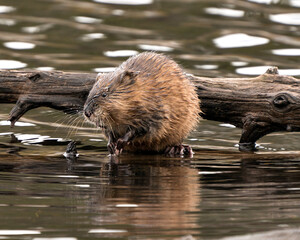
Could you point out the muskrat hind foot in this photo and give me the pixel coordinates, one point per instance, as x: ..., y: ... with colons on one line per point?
x: 179, y: 150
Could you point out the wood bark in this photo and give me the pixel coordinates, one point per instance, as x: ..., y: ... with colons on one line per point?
x: 260, y: 105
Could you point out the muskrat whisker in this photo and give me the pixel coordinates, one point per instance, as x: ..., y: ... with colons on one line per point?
x: 73, y: 125
x: 80, y: 119
x: 73, y: 111
x: 60, y: 121
x: 71, y: 120
x: 70, y: 127
x: 64, y: 121
x: 75, y: 122
x: 83, y: 121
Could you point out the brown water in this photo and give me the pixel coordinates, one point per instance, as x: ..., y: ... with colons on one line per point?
x: 218, y: 193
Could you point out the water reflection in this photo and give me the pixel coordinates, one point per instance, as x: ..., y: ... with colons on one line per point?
x: 206, y: 66
x: 92, y: 36
x: 286, y: 18
x: 148, y: 47
x: 226, y: 12
x: 11, y: 64
x: 104, y: 70
x: 257, y: 70
x: 88, y: 20
x: 7, y: 22
x: 150, y: 196
x: 145, y: 198
x: 37, y: 29
x: 45, y: 68
x: 265, y: 1
x: 254, y: 70
x: 18, y: 124
x: 294, y: 3
x: 120, y: 53
x: 238, y: 40
x: 18, y: 232
x: 125, y: 2
x: 203, y: 28
x: 270, y: 235
x: 6, y: 9
x: 19, y: 45
x: 101, y: 230
x: 287, y: 52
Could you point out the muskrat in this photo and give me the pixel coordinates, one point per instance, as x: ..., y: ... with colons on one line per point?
x: 146, y: 104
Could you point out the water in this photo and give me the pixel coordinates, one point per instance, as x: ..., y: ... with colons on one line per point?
x: 219, y: 193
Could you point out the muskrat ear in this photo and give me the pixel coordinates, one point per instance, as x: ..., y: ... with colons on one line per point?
x: 128, y: 77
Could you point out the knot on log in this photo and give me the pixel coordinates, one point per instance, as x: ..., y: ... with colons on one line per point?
x: 282, y: 102
x: 34, y: 77
x: 272, y: 70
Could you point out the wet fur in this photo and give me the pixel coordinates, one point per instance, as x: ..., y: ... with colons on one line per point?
x: 148, y: 94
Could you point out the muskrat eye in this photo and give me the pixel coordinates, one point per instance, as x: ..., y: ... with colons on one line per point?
x: 104, y: 94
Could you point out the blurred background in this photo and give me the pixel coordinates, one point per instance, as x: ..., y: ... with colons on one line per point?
x: 207, y: 37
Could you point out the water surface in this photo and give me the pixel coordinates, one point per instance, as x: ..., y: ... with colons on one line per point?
x: 219, y: 193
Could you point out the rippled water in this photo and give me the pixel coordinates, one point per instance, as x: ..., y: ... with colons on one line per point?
x: 219, y: 193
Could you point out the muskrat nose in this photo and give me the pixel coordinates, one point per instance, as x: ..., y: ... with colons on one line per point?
x: 87, y: 112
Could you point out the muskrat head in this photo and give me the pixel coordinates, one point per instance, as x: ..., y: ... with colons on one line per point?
x: 108, y: 100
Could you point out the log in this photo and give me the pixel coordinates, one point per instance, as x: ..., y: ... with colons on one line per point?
x: 31, y: 89
x: 259, y: 105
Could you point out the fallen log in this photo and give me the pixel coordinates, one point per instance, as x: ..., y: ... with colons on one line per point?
x: 260, y: 105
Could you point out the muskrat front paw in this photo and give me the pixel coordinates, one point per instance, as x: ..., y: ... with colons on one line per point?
x: 179, y: 150
x: 120, y: 145
x: 117, y: 147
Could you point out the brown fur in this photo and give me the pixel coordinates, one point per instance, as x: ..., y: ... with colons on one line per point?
x: 149, y: 93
